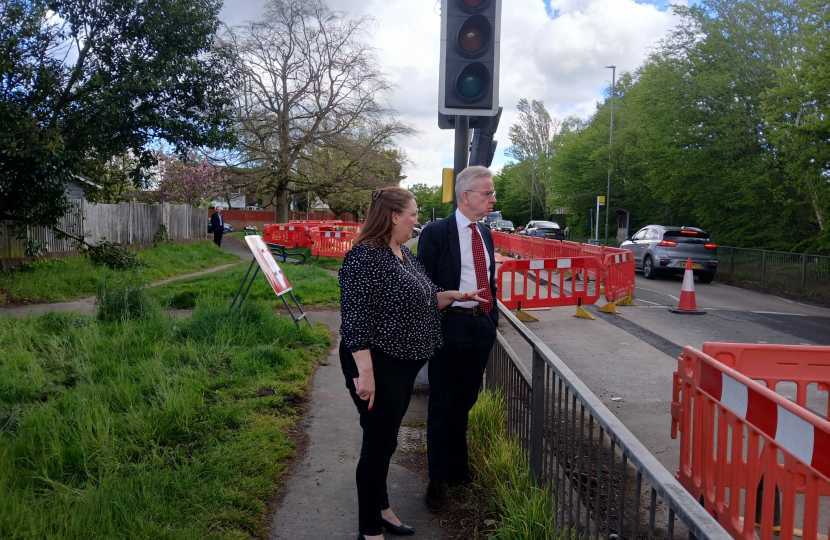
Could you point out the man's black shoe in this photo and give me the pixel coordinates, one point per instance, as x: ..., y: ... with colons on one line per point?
x: 436, y: 496
x: 400, y: 530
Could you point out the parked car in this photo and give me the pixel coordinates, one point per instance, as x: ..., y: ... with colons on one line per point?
x: 660, y: 249
x: 416, y: 230
x: 504, y: 226
x: 228, y: 228
x: 543, y: 229
x: 492, y: 218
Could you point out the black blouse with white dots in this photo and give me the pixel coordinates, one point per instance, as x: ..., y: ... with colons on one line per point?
x: 388, y: 303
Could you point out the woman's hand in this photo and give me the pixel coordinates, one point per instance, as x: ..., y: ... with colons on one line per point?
x: 365, y: 387
x: 445, y: 298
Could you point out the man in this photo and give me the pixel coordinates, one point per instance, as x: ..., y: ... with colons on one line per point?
x: 218, y: 226
x: 458, y: 254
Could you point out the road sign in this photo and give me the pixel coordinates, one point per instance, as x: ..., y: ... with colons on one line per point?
x: 447, y: 178
x: 469, y: 70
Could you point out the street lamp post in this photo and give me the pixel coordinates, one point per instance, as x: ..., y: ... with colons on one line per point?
x: 610, y: 140
x: 532, y: 184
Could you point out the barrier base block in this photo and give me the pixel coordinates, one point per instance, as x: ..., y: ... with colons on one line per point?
x: 610, y: 307
x: 626, y: 301
x: 582, y: 313
x: 687, y: 312
x: 525, y: 317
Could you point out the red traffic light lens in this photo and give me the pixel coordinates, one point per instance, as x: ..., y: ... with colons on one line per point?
x: 474, y: 4
x: 474, y: 36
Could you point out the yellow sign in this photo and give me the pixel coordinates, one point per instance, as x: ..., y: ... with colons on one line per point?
x: 447, y: 181
x: 602, y: 199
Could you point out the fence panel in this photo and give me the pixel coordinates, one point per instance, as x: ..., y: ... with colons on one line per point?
x: 602, y: 481
x: 793, y: 271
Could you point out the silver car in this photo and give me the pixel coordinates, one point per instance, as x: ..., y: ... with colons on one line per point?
x: 659, y: 249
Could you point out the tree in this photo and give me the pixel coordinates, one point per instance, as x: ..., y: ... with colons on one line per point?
x: 429, y: 197
x: 196, y: 183
x: 310, y: 85
x: 82, y: 81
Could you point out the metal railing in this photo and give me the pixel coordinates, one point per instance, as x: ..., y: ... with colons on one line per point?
x: 603, y: 482
x: 795, y: 271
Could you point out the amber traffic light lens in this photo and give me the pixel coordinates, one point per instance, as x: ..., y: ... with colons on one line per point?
x: 470, y: 40
x: 474, y: 35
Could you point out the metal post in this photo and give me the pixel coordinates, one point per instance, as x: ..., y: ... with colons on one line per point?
x: 532, y: 184
x: 537, y: 404
x: 462, y: 151
x: 732, y: 261
x: 610, y: 140
x: 596, y: 231
x: 803, y: 270
x: 763, y: 266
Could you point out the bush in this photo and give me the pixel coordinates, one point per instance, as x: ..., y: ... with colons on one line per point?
x: 114, y: 256
x: 162, y: 235
x: 36, y: 264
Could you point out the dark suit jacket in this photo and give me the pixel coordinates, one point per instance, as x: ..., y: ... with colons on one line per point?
x: 439, y: 250
x: 214, y: 223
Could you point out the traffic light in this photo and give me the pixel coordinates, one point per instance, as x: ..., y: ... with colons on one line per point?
x: 469, y: 73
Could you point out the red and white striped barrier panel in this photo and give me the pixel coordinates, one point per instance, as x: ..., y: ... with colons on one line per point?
x: 542, y: 282
x: 331, y: 243
x: 619, y: 275
x: 736, y: 433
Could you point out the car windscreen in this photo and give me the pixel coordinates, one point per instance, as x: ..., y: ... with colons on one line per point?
x: 547, y: 225
x: 504, y: 224
x: 685, y: 236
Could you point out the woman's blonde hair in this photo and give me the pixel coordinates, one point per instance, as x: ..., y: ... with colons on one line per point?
x: 377, y: 229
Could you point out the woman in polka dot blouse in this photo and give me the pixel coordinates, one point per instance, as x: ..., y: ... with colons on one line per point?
x: 391, y: 325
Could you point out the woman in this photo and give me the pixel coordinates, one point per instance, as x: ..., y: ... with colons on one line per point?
x: 391, y: 325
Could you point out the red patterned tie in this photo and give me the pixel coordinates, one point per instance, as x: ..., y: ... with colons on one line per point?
x: 482, y: 280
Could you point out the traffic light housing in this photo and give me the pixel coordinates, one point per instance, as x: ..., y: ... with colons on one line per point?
x: 469, y: 72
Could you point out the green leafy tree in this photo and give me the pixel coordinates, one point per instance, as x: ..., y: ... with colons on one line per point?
x: 429, y: 197
x: 82, y: 81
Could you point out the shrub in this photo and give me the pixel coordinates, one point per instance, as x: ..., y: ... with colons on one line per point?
x: 35, y: 265
x: 161, y: 236
x: 114, y: 256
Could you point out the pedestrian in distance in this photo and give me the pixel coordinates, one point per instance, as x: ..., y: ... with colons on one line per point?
x: 391, y: 325
x: 217, y: 224
x: 457, y: 253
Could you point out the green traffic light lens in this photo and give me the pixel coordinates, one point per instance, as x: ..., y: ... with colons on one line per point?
x: 474, y: 36
x: 472, y: 82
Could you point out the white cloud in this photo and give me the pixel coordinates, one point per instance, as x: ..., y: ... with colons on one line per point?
x: 558, y: 56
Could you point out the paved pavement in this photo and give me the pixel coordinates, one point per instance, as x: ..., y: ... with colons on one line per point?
x: 321, y: 500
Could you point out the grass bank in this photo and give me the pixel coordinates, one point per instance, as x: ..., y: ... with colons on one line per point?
x: 502, y: 480
x: 312, y: 286
x: 330, y: 263
x: 130, y: 424
x: 75, y: 277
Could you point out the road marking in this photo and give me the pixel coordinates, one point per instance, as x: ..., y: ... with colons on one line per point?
x: 647, y: 302
x: 779, y: 313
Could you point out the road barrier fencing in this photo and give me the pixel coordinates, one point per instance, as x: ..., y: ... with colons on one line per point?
x: 532, y: 283
x: 603, y: 482
x: 794, y: 271
x: 741, y: 443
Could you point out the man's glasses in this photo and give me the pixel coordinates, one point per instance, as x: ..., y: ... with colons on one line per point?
x: 487, y: 194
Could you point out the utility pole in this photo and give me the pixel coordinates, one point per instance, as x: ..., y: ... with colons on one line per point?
x: 532, y: 184
x: 610, y: 140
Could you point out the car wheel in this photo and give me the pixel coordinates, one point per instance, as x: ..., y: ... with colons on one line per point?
x: 648, y: 268
x: 706, y: 278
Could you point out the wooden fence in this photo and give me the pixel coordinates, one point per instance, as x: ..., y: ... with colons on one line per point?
x: 128, y: 223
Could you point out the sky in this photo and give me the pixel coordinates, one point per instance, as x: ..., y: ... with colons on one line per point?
x: 551, y: 50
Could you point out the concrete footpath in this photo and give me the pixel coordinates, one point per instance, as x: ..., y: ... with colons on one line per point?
x: 321, y: 498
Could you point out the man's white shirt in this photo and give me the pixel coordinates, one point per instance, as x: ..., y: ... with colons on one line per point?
x: 468, y: 270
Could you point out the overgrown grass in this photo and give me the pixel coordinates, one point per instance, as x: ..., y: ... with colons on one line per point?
x: 502, y: 480
x: 142, y: 426
x: 76, y: 277
x: 311, y: 285
x: 330, y: 263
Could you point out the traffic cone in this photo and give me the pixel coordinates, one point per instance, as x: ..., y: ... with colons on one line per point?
x: 687, y: 293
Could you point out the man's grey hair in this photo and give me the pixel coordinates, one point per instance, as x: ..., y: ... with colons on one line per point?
x: 466, y: 177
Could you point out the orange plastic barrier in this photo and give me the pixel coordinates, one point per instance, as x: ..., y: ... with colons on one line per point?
x: 515, y: 248
x: 331, y: 243
x: 619, y: 274
x: 536, y: 283
x: 537, y: 248
x: 553, y: 249
x: 735, y: 433
x: 571, y: 249
x: 590, y: 250
x: 527, y: 247
x: 501, y: 240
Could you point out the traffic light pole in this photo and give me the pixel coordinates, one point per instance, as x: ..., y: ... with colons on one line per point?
x: 462, y: 151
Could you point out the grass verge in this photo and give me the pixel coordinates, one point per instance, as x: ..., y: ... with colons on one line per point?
x: 502, y: 479
x: 76, y: 277
x: 131, y: 424
x: 312, y: 286
x: 330, y: 263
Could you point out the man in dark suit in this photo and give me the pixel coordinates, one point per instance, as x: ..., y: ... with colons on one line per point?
x: 457, y: 252
x: 217, y: 224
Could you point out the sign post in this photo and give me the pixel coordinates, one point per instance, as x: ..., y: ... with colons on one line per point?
x: 273, y: 273
x: 600, y: 201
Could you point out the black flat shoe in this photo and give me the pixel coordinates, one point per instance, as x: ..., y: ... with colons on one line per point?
x: 402, y: 530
